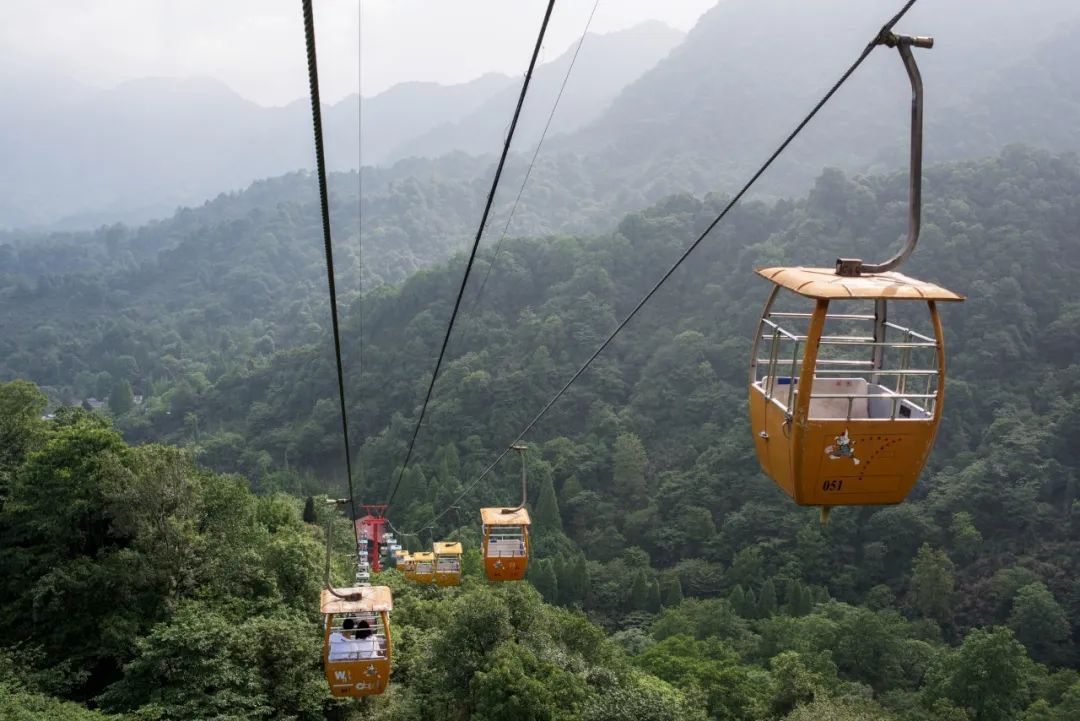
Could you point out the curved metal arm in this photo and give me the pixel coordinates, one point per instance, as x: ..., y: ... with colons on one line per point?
x: 903, y: 43
x: 329, y: 545
x: 520, y: 448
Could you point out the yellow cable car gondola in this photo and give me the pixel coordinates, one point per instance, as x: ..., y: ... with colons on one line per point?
x: 424, y: 567
x: 506, y: 543
x: 357, y: 646
x: 506, y: 535
x: 844, y: 402
x: 447, y: 563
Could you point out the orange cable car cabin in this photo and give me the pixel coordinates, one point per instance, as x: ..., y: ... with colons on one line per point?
x: 424, y: 567
x: 447, y: 563
x: 844, y: 402
x: 357, y: 647
x: 845, y: 396
x: 506, y: 543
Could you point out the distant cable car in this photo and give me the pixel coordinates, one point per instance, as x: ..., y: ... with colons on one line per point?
x: 506, y: 543
x: 357, y: 646
x: 506, y: 534
x: 407, y: 565
x: 447, y: 563
x: 424, y: 567
x: 844, y: 402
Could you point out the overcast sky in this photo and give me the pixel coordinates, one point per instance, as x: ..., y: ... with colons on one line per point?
x: 257, y: 48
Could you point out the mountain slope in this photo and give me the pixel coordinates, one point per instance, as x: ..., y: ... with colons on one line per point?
x: 605, y: 65
x: 749, y: 70
x: 411, y: 109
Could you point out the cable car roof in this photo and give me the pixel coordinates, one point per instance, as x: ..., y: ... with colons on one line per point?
x: 447, y: 548
x: 505, y: 517
x: 825, y: 284
x: 423, y: 556
x: 368, y: 599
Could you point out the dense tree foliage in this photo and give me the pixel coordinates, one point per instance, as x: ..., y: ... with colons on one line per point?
x: 671, y: 579
x: 155, y: 590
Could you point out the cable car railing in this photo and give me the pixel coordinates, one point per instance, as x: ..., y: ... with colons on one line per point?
x: 506, y: 542
x: 853, y: 376
x: 448, y: 565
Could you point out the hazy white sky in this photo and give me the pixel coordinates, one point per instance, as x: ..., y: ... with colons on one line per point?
x: 257, y: 46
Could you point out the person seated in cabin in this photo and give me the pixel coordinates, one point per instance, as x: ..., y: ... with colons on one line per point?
x: 341, y: 643
x: 366, y: 644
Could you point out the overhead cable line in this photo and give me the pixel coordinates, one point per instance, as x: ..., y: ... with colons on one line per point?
x: 324, y: 204
x: 475, y: 246
x: 882, y: 37
x: 359, y: 220
x: 536, y: 152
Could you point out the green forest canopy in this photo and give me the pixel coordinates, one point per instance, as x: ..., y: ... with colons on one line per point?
x: 160, y: 591
x: 712, y: 591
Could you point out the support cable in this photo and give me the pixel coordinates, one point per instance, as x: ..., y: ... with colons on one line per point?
x: 532, y: 162
x: 475, y: 246
x: 324, y: 205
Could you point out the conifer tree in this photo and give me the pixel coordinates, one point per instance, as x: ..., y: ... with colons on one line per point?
x: 767, y: 599
x: 807, y: 599
x: 546, y: 517
x: 639, y: 592
x: 573, y: 579
x: 570, y: 488
x: 652, y: 604
x: 749, y: 604
x: 121, y: 399
x: 542, y: 576
x: 672, y: 594
x: 932, y: 584
x: 628, y: 458
x: 737, y: 597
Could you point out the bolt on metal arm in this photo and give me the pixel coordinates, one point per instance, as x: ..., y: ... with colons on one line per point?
x: 903, y: 43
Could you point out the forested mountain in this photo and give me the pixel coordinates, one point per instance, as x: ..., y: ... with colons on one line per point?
x: 718, y: 597
x: 155, y: 590
x: 709, y: 113
x: 605, y: 65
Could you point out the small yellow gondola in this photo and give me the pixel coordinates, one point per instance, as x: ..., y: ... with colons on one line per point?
x: 506, y: 543
x: 357, y: 647
x: 424, y: 570
x: 407, y: 566
x: 447, y: 563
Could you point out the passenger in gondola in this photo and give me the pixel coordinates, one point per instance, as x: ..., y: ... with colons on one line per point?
x: 366, y: 644
x: 342, y: 645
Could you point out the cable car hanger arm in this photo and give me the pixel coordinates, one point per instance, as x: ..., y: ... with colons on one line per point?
x: 903, y: 43
x: 520, y: 448
x: 329, y: 548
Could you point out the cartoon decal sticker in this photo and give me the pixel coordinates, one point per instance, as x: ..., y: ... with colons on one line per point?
x: 843, y: 447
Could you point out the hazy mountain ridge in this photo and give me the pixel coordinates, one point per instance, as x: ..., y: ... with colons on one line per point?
x: 748, y: 71
x: 605, y: 65
x: 78, y: 157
